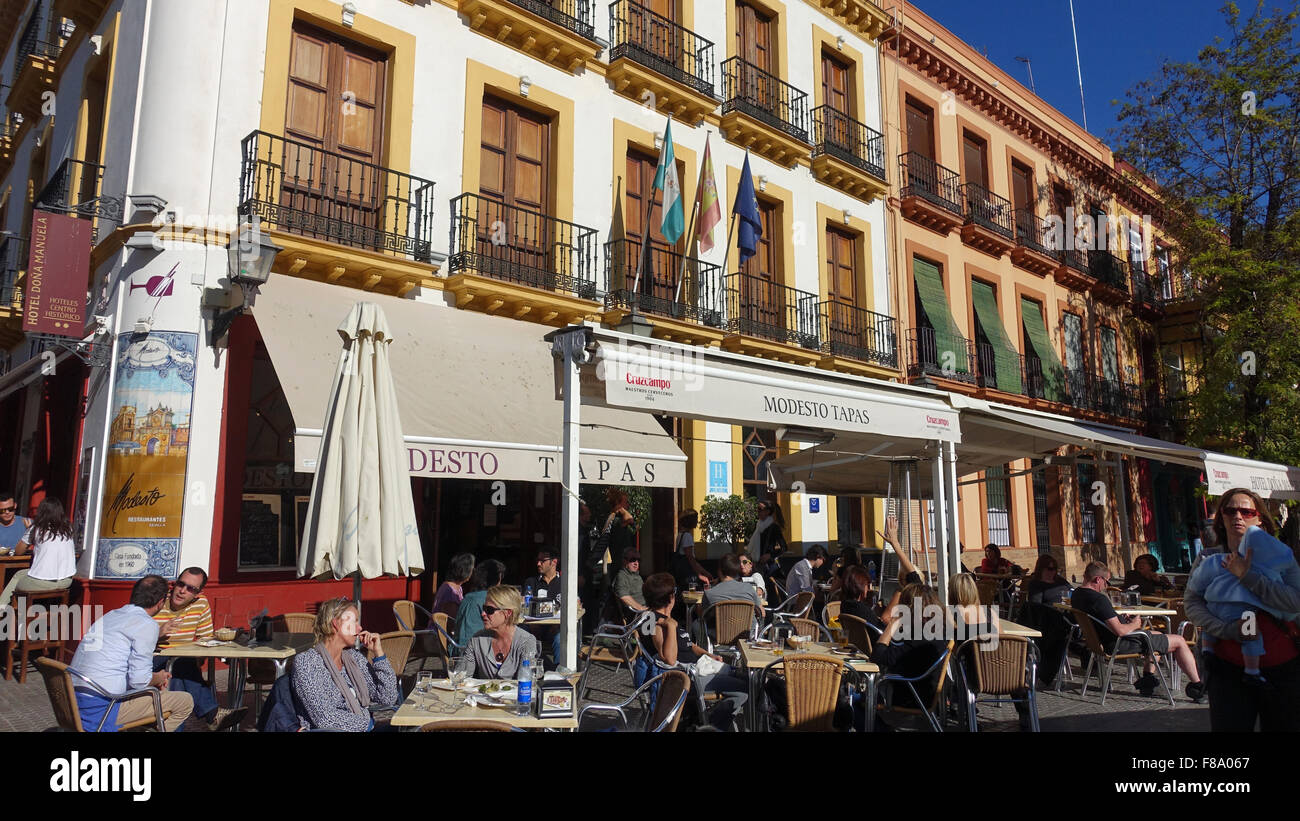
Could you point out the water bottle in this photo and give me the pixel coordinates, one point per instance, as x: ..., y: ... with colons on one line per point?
x: 524, y: 693
x: 871, y: 569
x: 528, y: 600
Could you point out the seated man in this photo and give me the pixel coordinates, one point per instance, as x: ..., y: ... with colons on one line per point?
x: 547, y: 586
x: 801, y: 575
x: 628, y: 582
x: 186, y: 617
x: 116, y: 654
x: 731, y: 588
x: 1091, y: 598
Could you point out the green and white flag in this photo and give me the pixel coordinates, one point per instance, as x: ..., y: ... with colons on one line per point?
x: 674, y: 218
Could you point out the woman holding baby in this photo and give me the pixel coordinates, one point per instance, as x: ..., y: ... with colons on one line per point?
x: 1245, y: 601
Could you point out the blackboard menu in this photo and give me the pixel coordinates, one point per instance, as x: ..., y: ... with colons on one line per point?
x: 259, y: 531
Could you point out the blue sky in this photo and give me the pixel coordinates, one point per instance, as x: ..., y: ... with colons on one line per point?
x: 1120, y: 43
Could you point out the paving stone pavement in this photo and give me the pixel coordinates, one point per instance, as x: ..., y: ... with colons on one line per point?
x: 26, y: 707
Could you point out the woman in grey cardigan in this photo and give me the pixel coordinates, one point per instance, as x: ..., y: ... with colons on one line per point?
x: 335, y: 684
x: 498, y: 649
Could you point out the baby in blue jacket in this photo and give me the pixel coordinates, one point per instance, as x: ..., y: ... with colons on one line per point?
x: 1228, y: 599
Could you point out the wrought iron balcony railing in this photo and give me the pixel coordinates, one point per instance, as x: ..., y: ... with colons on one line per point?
x: 658, y: 43
x: 1074, y: 259
x: 304, y: 190
x: 988, y: 210
x: 76, y: 189
x: 1031, y: 231
x: 856, y: 333
x: 670, y: 284
x: 923, y: 177
x: 839, y: 135
x: 1144, y: 288
x: 1116, y: 398
x: 13, y: 261
x: 1107, y: 268
x: 750, y: 90
x: 1177, y: 285
x: 515, y: 244
x: 1033, y: 382
x: 39, y: 39
x: 574, y: 15
x: 949, y: 356
x: 763, y: 308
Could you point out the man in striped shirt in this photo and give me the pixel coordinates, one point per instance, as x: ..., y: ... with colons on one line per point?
x: 187, y: 617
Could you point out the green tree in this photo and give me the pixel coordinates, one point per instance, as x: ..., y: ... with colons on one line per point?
x: 730, y: 520
x: 1221, y: 138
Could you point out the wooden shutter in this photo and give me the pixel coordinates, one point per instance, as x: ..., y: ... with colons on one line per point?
x: 1022, y: 187
x: 975, y: 156
x: 514, y: 181
x: 835, y: 84
x: 842, y: 289
x: 754, y: 37
x: 760, y: 293
x: 920, y: 129
x: 1109, y: 354
x: 662, y: 266
x: 1062, y: 199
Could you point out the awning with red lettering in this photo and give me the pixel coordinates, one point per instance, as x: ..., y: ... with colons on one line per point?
x: 475, y: 392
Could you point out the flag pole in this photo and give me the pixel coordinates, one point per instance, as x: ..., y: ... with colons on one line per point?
x: 691, y: 239
x: 726, y: 255
x: 645, y: 226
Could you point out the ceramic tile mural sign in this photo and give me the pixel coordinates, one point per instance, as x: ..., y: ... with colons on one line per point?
x: 148, y: 449
x: 58, y: 266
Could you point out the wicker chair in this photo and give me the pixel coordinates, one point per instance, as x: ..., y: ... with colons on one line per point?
x: 1004, y: 670
x: 612, y: 645
x: 810, y: 628
x: 858, y: 632
x: 263, y: 673
x: 1105, y: 662
x: 299, y: 622
x: 796, y: 606
x: 62, y: 684
x: 729, y: 621
x: 469, y: 725
x: 812, y: 685
x: 831, y: 612
x: 988, y: 589
x: 673, y: 687
x: 934, y: 711
x: 397, y: 646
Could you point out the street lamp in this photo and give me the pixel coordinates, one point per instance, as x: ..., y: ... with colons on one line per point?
x: 251, y: 256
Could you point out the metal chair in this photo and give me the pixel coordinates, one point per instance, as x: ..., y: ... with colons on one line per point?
x: 1004, y: 669
x: 858, y: 632
x: 613, y: 645
x: 796, y: 606
x: 729, y: 621
x: 831, y: 612
x: 812, y: 683
x: 62, y: 684
x: 988, y: 589
x: 670, y: 690
x: 811, y: 629
x: 1088, y: 625
x: 397, y: 646
x: 931, y: 713
x: 433, y: 640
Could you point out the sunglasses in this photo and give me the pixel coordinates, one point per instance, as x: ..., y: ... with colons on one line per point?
x: 183, y: 586
x: 489, y: 610
x: 1246, y: 512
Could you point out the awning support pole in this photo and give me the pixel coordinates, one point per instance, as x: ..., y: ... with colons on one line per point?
x: 954, y: 529
x: 1123, y: 510
x: 939, y: 482
x: 570, y: 346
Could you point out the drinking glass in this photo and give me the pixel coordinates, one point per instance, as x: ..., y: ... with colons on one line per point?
x: 423, y: 686
x: 456, y: 675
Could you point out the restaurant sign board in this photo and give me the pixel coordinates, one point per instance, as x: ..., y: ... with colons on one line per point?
x: 58, y: 265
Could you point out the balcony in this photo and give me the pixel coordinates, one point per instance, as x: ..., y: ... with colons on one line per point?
x: 8, y: 137
x: 1146, y: 294
x: 865, y: 17
x: 930, y: 194
x: 13, y: 267
x: 84, y: 13
x: 1179, y: 290
x: 1114, y: 398
x: 553, y: 260
x: 1031, y: 251
x: 763, y: 309
x: 559, y: 32
x: 990, y: 226
x: 34, y: 65
x: 848, y: 155
x: 1011, y: 380
x: 856, y: 333
x: 75, y: 190
x: 956, y: 362
x: 651, y: 58
x: 1111, y: 274
x: 320, y: 202
x: 762, y: 113
x: 682, y: 295
x: 1072, y: 270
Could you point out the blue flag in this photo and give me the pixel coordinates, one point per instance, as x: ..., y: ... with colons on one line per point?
x: 746, y: 208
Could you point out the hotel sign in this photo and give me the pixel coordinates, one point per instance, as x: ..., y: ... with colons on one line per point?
x: 58, y: 267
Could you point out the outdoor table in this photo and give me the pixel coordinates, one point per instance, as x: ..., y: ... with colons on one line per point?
x: 281, y: 648
x: 756, y: 659
x: 1010, y: 628
x: 1146, y: 611
x: 1165, y: 600
x: 692, y: 597
x: 12, y: 564
x: 547, y: 621
x: 445, y: 705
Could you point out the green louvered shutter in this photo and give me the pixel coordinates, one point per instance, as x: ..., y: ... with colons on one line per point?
x: 1036, y: 329
x: 929, y: 286
x: 1006, y: 360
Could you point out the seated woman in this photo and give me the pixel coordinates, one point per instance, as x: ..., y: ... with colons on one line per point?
x: 498, y: 650
x: 910, y: 656
x: 849, y: 557
x: 964, y: 594
x: 335, y: 684
x: 469, y: 616
x: 993, y: 563
x: 1143, y: 576
x: 749, y: 573
x: 857, y: 589
x: 54, y: 556
x: 452, y: 592
x: 672, y: 645
x: 1046, y: 586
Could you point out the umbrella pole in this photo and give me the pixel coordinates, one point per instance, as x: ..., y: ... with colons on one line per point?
x: 356, y: 593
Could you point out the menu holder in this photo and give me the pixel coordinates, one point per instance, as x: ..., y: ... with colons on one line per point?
x: 557, y: 699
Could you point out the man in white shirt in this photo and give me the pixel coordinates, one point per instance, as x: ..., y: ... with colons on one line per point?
x: 801, y: 575
x: 117, y: 654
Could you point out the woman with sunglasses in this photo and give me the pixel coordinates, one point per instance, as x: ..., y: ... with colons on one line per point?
x: 54, y: 555
x: 767, y: 542
x: 333, y: 682
x: 1143, y: 576
x: 1045, y: 585
x: 500, y: 647
x: 1237, y: 700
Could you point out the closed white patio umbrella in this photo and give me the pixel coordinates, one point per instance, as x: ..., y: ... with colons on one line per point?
x: 361, y: 517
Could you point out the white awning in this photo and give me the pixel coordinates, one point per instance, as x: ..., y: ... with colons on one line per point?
x: 475, y: 392
x: 1269, y: 480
